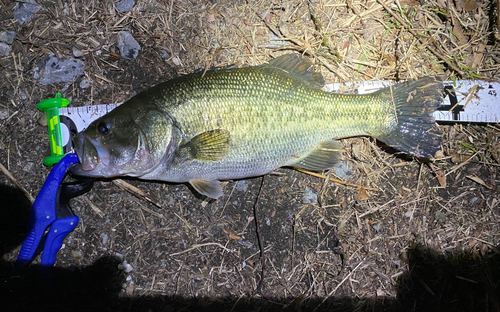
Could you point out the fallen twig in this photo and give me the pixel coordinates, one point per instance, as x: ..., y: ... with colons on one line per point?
x: 16, y: 183
x: 198, y: 246
x: 94, y: 207
x: 134, y: 191
x: 319, y: 175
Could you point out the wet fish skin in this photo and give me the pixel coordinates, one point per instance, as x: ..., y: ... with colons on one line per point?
x: 240, y: 122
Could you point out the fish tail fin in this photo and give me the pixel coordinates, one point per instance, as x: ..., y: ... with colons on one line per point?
x: 415, y: 131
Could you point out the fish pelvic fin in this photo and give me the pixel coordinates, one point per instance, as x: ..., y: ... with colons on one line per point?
x: 209, y: 188
x: 324, y: 156
x: 415, y: 131
x: 208, y: 146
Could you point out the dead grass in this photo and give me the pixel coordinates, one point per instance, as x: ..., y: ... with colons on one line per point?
x: 355, y: 242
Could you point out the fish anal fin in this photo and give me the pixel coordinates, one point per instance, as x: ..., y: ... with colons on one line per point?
x: 209, y: 188
x: 211, y: 145
x: 298, y: 66
x: 324, y: 156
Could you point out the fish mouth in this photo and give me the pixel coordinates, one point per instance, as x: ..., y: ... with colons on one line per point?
x: 93, y: 157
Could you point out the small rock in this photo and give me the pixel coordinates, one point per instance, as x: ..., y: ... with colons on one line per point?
x: 85, y: 83
x: 164, y: 54
x: 105, y: 238
x: 150, y: 222
x: 36, y: 73
x: 343, y: 170
x: 377, y: 225
x: 440, y: 217
x: 176, y: 61
x: 309, y: 197
x: 59, y: 69
x: 125, y: 267
x: 5, y: 49
x: 28, y: 167
x: 245, y: 243
x: 242, y: 185
x: 128, y: 46
x: 42, y: 121
x: 23, y: 96
x: 77, y: 52
x: 7, y: 36
x: 24, y: 10
x: 125, y: 5
x: 4, y: 113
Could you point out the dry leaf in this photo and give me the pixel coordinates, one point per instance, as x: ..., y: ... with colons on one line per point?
x: 457, y: 30
x: 480, y: 181
x: 356, y: 151
x: 478, y: 55
x: 459, y: 4
x: 495, y: 148
x: 459, y: 158
x: 439, y: 154
x: 441, y: 177
x: 476, y: 254
x: 212, y: 12
x: 470, y: 5
x: 77, y: 254
x: 362, y: 195
x: 210, y: 18
x: 231, y: 234
x: 129, y: 289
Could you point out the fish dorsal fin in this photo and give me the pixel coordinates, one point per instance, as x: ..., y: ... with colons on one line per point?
x: 324, y: 156
x: 209, y: 146
x: 209, y: 188
x: 298, y: 66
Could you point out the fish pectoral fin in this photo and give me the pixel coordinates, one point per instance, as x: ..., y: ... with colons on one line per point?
x: 209, y: 146
x: 209, y: 188
x: 324, y: 156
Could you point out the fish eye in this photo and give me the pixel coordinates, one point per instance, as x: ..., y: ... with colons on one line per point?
x: 103, y: 127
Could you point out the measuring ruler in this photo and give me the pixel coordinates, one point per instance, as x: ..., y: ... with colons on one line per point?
x: 469, y: 101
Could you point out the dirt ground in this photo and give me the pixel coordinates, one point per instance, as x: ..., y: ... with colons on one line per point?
x: 408, y: 236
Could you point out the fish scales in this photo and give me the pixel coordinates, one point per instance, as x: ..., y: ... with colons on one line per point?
x: 239, y: 122
x: 273, y: 119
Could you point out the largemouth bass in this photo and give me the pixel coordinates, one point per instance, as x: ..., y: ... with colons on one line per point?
x: 235, y: 123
